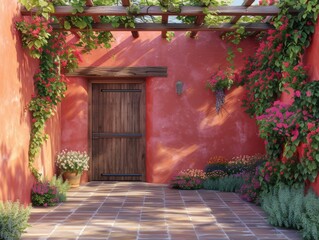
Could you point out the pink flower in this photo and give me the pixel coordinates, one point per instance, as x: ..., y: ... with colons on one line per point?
x: 297, y: 93
x: 286, y: 64
x: 295, y: 134
x: 310, y: 125
x: 308, y: 93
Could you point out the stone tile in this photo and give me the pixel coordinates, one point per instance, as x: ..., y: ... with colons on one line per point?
x: 134, y: 210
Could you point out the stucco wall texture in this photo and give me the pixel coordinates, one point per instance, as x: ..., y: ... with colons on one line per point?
x: 16, y: 88
x: 181, y: 131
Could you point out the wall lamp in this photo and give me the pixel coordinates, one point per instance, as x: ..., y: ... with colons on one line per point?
x: 179, y: 87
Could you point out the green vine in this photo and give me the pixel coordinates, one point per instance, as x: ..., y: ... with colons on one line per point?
x: 278, y: 64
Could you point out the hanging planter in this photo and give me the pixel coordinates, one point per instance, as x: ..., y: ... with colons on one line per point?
x: 219, y: 83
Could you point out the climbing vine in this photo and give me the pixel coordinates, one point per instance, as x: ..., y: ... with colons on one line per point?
x: 276, y: 66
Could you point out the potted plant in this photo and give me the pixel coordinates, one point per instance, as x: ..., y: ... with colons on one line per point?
x: 72, y: 164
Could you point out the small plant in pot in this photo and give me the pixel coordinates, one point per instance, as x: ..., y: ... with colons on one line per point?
x: 72, y: 164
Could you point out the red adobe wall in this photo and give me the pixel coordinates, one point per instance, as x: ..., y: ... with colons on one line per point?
x: 16, y: 87
x: 182, y: 131
x: 75, y: 117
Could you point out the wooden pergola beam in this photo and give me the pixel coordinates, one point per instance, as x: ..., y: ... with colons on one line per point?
x: 164, y: 21
x: 199, y: 21
x: 126, y: 3
x: 131, y: 72
x: 62, y: 11
x: 246, y: 4
x: 172, y: 27
x: 89, y: 3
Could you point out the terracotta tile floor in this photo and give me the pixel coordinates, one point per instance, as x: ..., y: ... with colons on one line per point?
x: 143, y: 211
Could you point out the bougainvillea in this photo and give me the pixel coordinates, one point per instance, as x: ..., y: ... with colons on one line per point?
x: 287, y: 128
x: 35, y: 34
x: 276, y: 66
x: 57, y: 57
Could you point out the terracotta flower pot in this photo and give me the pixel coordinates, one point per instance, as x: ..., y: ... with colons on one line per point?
x: 73, y: 178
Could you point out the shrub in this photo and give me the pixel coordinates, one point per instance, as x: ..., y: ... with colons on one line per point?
x: 251, y: 189
x: 44, y: 195
x: 189, y: 179
x: 215, y: 174
x: 13, y: 220
x: 245, y: 163
x: 236, y: 165
x: 283, y: 205
x: 230, y: 183
x: 287, y: 206
x: 61, y: 186
x: 310, y: 217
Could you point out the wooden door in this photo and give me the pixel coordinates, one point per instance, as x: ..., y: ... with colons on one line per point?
x: 118, y: 131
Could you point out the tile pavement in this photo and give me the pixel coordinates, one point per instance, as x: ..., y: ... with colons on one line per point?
x: 144, y: 211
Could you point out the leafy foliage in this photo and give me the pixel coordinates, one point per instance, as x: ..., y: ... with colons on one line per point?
x: 43, y: 194
x: 35, y: 34
x: 284, y: 205
x: 251, y: 189
x: 310, y: 217
x: 288, y: 206
x: 13, y: 220
x: 57, y: 57
x: 284, y: 127
x: 230, y: 183
x: 61, y: 186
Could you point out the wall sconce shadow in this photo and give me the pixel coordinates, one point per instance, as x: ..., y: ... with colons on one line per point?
x: 179, y: 87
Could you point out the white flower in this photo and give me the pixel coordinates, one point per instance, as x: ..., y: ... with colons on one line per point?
x: 73, y: 161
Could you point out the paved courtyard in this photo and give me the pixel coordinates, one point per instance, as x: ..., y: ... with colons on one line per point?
x: 134, y: 210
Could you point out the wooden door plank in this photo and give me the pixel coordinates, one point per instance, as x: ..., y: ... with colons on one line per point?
x: 119, y: 112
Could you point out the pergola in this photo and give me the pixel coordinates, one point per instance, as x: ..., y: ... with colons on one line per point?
x: 246, y: 9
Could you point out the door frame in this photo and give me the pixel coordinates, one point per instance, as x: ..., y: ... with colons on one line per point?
x: 141, y: 81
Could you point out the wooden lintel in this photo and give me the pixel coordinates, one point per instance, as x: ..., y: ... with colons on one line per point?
x: 164, y: 21
x: 131, y: 72
x: 172, y: 27
x: 199, y: 21
x: 61, y: 11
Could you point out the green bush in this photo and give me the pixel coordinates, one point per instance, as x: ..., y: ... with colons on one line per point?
x: 236, y: 165
x: 61, y: 186
x: 288, y: 206
x: 310, y: 217
x: 230, y: 183
x: 13, y: 220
